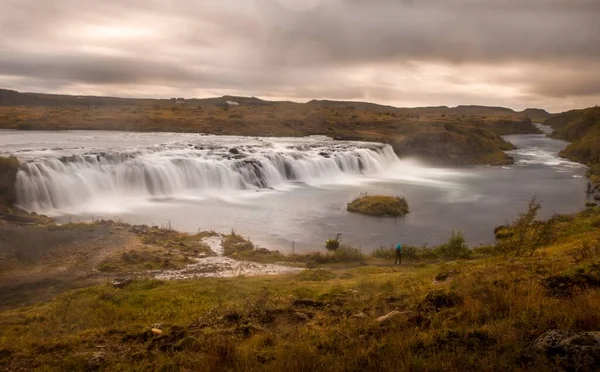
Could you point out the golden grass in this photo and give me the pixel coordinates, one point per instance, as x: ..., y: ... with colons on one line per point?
x: 252, y: 324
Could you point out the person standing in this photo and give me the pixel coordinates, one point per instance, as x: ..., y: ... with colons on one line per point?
x: 398, y: 254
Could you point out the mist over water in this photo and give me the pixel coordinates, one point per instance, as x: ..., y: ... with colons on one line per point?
x: 281, y: 190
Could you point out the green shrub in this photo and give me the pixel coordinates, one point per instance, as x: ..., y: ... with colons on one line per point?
x: 526, y: 233
x: 234, y: 243
x: 378, y: 205
x: 456, y: 247
x: 343, y: 254
x: 384, y: 252
x: 332, y: 244
x: 408, y: 252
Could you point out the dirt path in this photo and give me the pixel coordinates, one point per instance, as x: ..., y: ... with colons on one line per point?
x: 39, y: 262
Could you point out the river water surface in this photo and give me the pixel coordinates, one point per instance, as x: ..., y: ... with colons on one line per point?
x: 279, y: 191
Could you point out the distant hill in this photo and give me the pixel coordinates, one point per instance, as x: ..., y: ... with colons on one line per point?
x: 14, y: 98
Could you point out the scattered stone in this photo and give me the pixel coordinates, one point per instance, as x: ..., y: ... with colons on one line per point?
x: 301, y: 316
x: 578, y: 351
x: 96, y: 361
x: 396, y: 317
x: 121, y: 282
x: 360, y: 315
x: 139, y: 229
x: 156, y: 331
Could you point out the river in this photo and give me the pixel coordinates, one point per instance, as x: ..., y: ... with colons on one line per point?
x: 283, y: 190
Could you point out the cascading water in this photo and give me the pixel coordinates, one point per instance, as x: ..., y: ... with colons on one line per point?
x: 55, y: 182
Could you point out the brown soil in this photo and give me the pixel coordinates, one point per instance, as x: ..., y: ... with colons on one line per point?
x: 38, y: 262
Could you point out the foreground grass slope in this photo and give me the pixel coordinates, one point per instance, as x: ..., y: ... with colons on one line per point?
x: 478, y: 314
x: 462, y: 135
x: 582, y: 128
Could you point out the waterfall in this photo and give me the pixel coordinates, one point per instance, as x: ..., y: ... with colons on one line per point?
x: 53, y: 183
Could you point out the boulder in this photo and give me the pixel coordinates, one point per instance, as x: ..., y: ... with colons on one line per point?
x: 234, y: 151
x: 156, y: 331
x: 577, y: 350
x: 396, y: 317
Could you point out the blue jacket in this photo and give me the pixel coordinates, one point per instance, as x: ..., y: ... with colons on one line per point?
x: 399, y: 247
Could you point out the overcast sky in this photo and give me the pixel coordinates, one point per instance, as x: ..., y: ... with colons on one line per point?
x: 514, y: 53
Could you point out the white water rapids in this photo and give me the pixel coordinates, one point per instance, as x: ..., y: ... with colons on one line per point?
x: 219, y: 183
x: 55, y: 181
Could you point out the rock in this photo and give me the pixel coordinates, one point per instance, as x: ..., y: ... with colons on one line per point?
x: 234, y: 151
x: 97, y: 360
x: 121, y: 282
x: 396, y: 317
x: 156, y: 331
x: 263, y: 251
x: 300, y: 316
x: 360, y: 315
x: 578, y: 351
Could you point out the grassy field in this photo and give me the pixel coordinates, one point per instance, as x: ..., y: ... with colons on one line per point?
x: 481, y: 313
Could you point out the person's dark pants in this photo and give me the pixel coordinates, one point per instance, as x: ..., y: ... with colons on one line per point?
x: 398, y: 258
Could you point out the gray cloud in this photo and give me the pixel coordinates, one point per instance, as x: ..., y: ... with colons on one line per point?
x: 402, y: 52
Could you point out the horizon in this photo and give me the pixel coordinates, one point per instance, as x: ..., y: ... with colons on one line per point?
x: 290, y: 101
x: 515, y: 54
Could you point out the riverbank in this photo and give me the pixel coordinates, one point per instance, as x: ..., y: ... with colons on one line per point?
x: 486, y: 312
x: 582, y: 129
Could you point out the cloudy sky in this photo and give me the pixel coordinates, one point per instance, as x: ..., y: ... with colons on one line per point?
x: 514, y: 53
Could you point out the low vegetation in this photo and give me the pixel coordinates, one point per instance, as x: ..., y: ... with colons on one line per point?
x: 477, y: 314
x: 582, y: 129
x: 378, y: 205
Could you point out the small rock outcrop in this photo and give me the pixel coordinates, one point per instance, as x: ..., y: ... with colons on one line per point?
x: 396, y: 317
x: 577, y: 351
